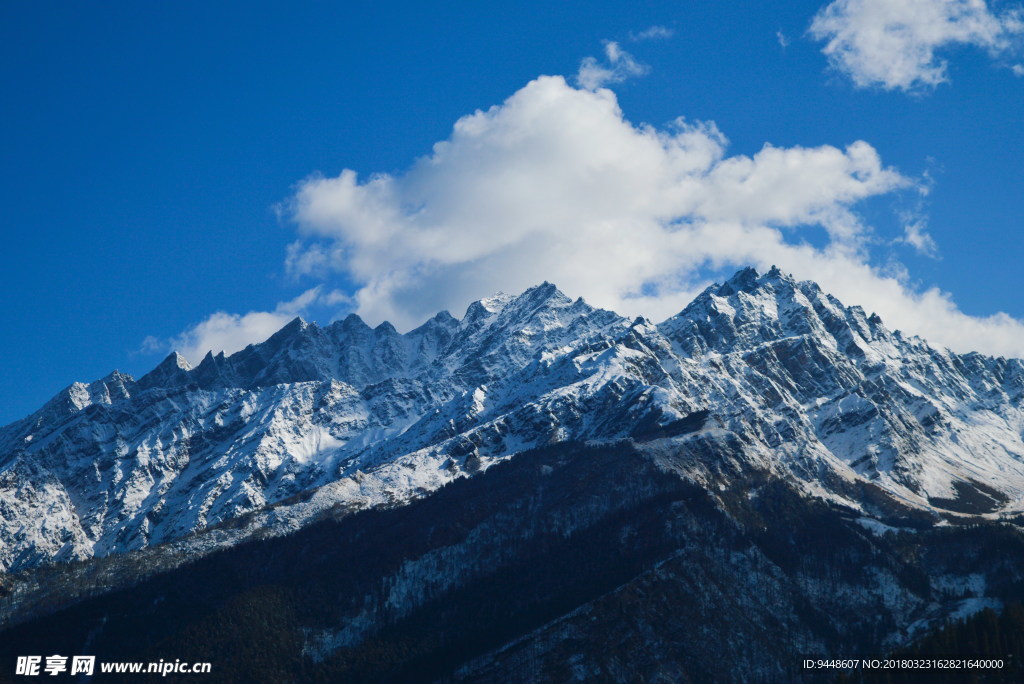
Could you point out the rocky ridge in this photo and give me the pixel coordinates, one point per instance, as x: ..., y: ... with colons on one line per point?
x: 774, y: 373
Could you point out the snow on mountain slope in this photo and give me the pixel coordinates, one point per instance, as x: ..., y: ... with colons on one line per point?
x: 795, y: 382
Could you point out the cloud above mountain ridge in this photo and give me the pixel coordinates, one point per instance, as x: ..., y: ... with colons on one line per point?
x: 556, y: 184
x: 556, y: 181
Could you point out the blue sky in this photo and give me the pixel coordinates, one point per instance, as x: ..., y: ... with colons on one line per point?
x: 158, y: 163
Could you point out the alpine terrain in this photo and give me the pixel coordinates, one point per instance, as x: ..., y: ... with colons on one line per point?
x: 539, y: 491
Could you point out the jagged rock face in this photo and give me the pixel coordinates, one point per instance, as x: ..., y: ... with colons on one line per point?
x: 566, y: 563
x: 795, y: 382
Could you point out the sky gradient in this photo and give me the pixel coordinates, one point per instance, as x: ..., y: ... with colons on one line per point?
x: 159, y: 164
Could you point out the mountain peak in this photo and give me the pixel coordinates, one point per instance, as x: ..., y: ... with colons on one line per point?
x: 350, y: 324
x: 488, y: 306
x: 544, y: 295
x: 749, y: 280
x: 746, y: 279
x: 295, y: 328
x: 750, y: 308
x: 442, y: 320
x: 496, y: 302
x: 175, y: 360
x: 544, y: 290
x: 443, y: 316
x: 116, y: 376
x: 297, y: 324
x: 169, y: 372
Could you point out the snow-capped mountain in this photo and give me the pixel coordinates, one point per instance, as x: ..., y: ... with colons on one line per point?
x: 774, y: 373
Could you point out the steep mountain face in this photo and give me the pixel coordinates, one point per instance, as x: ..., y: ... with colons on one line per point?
x: 565, y: 563
x: 760, y: 372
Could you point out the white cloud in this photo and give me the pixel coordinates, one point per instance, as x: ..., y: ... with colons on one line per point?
x: 152, y: 345
x: 554, y: 184
x: 782, y: 38
x: 916, y: 235
x: 655, y: 32
x: 1017, y: 69
x: 619, y: 66
x: 893, y: 43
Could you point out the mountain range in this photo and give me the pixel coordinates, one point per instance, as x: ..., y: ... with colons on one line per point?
x: 764, y: 409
